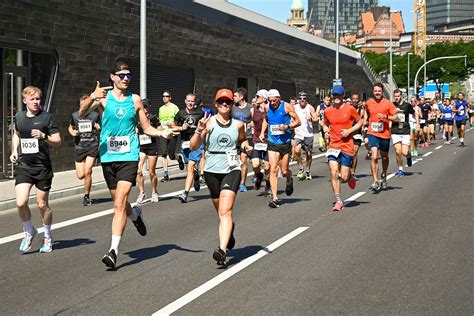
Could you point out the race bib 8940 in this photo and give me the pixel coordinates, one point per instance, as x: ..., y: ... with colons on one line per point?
x: 118, y: 144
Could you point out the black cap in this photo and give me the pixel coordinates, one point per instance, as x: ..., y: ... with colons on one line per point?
x: 302, y: 94
x: 146, y: 103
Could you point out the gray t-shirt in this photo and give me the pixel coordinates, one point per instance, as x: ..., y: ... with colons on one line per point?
x: 88, y: 134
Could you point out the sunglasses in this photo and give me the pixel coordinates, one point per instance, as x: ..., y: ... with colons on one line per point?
x: 224, y: 101
x: 123, y: 76
x: 166, y: 96
x: 302, y: 98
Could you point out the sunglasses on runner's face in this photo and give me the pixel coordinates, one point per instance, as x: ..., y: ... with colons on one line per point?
x: 166, y: 96
x: 302, y: 98
x: 224, y: 101
x: 123, y: 76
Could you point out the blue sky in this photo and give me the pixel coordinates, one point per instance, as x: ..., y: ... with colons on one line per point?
x: 280, y: 9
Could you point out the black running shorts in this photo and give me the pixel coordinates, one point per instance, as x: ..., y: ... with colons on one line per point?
x: 41, y: 178
x: 283, y: 149
x: 119, y: 171
x: 80, y: 154
x: 216, y: 182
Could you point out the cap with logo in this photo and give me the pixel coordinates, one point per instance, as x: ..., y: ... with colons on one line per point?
x: 302, y: 94
x: 224, y: 94
x: 273, y: 93
x: 338, y: 90
x: 262, y: 93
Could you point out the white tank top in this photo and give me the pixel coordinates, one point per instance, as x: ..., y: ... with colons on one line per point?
x: 306, y: 127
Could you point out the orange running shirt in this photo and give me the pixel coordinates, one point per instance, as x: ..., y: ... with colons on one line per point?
x: 337, y: 120
x: 379, y: 127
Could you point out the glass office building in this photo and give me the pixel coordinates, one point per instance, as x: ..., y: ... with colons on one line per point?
x: 323, y: 14
x: 447, y: 11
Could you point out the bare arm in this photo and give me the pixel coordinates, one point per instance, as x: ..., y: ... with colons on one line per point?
x: 142, y: 118
x: 291, y: 112
x: 73, y: 132
x: 93, y: 101
x: 15, y: 144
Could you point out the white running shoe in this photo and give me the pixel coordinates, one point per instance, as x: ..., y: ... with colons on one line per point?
x: 141, y: 197
x: 154, y: 197
x: 27, y: 240
x: 47, y: 245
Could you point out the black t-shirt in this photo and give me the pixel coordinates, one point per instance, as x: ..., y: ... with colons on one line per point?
x: 425, y: 111
x: 148, y: 142
x: 402, y: 127
x: 191, y: 118
x: 88, y: 134
x: 34, y: 152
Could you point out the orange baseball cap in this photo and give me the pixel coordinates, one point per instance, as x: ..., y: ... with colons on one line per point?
x: 224, y: 94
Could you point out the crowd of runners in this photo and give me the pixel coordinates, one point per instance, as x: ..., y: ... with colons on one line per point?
x: 217, y: 146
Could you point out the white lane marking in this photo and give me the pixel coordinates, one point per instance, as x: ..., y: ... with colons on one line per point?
x: 189, y: 297
x: 415, y: 162
x: 427, y: 154
x: 390, y: 176
x: 6, y: 239
x: 454, y: 137
x: 353, y: 198
x: 439, y: 147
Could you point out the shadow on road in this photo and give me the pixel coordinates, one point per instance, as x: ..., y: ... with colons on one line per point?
x: 143, y: 254
x: 101, y: 200
x: 239, y: 254
x: 355, y: 203
x: 64, y: 244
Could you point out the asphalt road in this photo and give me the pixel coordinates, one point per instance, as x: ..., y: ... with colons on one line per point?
x: 407, y: 250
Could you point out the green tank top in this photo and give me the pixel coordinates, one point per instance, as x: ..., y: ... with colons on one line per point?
x: 118, y: 138
x: 221, y: 147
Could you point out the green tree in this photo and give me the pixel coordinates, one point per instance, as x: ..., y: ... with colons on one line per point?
x: 441, y: 71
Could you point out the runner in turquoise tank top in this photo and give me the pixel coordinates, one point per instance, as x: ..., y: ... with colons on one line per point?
x: 222, y: 168
x: 119, y: 148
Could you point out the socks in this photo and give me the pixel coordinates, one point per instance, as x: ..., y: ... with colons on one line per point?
x: 28, y: 227
x: 115, y: 243
x: 338, y: 198
x: 461, y: 140
x: 400, y: 168
x: 47, y: 231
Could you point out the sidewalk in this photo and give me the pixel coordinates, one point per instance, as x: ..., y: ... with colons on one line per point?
x: 65, y: 183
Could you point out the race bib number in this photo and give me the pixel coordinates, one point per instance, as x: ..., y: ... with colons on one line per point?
x: 275, y: 130
x: 84, y: 127
x: 118, y: 144
x: 333, y: 152
x: 358, y: 137
x: 422, y: 121
x: 461, y: 112
x: 29, y: 145
x: 377, y: 127
x: 233, y: 158
x: 260, y: 146
x: 186, y: 145
x: 448, y: 115
x: 144, y: 139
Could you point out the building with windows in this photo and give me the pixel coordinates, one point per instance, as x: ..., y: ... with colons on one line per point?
x: 297, y: 19
x: 322, y: 15
x: 447, y: 11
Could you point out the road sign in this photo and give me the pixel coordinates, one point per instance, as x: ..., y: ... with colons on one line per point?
x: 336, y: 82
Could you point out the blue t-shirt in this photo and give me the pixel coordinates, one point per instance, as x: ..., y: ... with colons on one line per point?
x: 461, y: 107
x: 276, y: 117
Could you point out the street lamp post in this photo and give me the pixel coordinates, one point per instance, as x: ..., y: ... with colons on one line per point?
x: 408, y: 81
x: 435, y: 59
x: 143, y: 49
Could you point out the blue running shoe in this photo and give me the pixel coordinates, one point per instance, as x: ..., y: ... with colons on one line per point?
x: 27, y: 240
x: 242, y: 188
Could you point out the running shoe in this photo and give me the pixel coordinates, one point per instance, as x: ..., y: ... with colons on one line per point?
x: 27, y: 240
x: 274, y: 203
x: 375, y: 186
x: 154, y: 197
x: 86, y: 201
x: 180, y: 163
x: 338, y: 206
x: 47, y: 245
x: 219, y: 256
x: 183, y: 197
x: 352, y: 182
x: 300, y: 174
x: 309, y: 176
x: 165, y: 179
x: 110, y: 259
x: 383, y: 183
x: 447, y: 143
x: 399, y: 173
x: 258, y: 182
x: 231, y: 243
x: 254, y: 179
x: 202, y: 181
x: 141, y: 197
x: 368, y: 156
x: 409, y: 160
x: 415, y: 153
x: 139, y: 224
x: 196, y: 184
x: 462, y: 144
x: 289, y: 187
x: 242, y: 188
